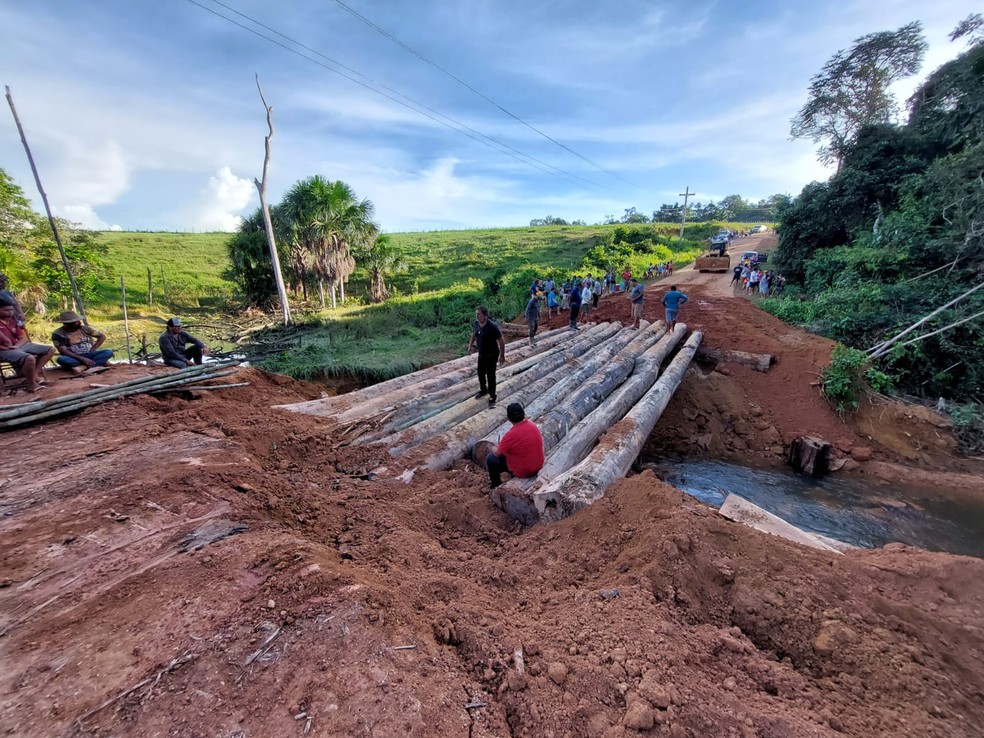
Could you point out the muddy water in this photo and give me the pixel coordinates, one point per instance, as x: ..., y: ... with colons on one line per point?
x: 851, y: 510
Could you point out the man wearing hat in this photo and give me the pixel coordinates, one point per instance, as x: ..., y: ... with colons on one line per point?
x: 79, y: 344
x: 175, y: 349
x: 520, y: 452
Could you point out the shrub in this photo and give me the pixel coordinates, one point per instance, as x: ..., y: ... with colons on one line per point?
x: 849, y: 375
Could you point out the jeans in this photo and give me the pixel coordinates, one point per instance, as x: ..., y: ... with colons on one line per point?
x: 574, y: 313
x: 486, y: 374
x: 193, y: 354
x: 534, y: 324
x: 496, y: 465
x: 101, y: 357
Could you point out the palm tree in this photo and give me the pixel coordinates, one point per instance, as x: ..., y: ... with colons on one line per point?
x: 380, y: 259
x: 326, y: 222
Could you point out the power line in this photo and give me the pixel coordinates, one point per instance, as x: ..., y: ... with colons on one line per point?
x: 489, y: 100
x: 461, y: 127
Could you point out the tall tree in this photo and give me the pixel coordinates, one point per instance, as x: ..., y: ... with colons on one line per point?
x: 326, y: 222
x: 852, y: 89
x: 380, y: 259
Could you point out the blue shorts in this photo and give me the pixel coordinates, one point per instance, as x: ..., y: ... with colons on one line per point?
x: 671, y: 314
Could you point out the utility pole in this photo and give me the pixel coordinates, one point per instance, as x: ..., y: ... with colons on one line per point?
x: 686, y: 194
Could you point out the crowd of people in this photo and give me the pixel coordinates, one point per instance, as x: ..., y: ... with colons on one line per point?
x: 76, y: 346
x: 752, y: 279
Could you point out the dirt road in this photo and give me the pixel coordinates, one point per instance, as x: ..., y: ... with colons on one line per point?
x: 215, y: 567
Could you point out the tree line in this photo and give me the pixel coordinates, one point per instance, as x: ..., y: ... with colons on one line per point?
x: 733, y: 208
x: 898, y: 231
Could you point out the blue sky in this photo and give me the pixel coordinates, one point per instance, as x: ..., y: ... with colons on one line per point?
x: 143, y: 114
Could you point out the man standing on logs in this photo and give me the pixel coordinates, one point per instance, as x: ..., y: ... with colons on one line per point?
x: 533, y: 317
x: 487, y: 339
x: 520, y: 452
x: 637, y: 296
x: 672, y: 301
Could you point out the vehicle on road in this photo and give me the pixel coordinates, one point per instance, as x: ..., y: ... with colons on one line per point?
x: 760, y: 229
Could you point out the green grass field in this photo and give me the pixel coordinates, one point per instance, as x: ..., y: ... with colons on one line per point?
x: 426, y: 320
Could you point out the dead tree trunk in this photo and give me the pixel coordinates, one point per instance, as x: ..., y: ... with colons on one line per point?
x: 758, y: 362
x: 810, y: 456
x: 618, y: 448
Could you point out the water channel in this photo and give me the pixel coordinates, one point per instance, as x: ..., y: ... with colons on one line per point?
x: 856, y: 511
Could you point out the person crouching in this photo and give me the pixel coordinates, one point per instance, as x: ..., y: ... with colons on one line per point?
x: 520, y: 452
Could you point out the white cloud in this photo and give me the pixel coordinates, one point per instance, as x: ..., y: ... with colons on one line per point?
x: 222, y: 203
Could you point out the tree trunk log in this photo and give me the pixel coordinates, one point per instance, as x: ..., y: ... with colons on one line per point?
x: 514, y: 496
x: 331, y: 406
x: 758, y: 362
x: 810, y: 456
x: 402, y: 408
x: 416, y: 434
x: 618, y: 448
x: 441, y: 451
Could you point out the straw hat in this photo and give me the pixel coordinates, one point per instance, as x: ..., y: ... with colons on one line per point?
x: 69, y: 316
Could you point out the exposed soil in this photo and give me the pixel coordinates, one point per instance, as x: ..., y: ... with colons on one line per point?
x: 233, y: 566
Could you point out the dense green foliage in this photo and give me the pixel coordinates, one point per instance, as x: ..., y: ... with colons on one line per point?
x: 897, y: 233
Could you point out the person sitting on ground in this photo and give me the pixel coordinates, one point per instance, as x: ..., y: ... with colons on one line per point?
x: 175, y: 349
x: 520, y: 452
x: 637, y: 296
x: 16, y: 348
x: 79, y: 344
x: 672, y: 300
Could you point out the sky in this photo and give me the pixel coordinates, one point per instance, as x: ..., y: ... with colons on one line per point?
x: 144, y: 114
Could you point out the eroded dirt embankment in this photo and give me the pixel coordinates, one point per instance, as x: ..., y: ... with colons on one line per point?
x: 366, y: 608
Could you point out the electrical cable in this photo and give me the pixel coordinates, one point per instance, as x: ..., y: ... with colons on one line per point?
x: 461, y: 128
x: 460, y: 81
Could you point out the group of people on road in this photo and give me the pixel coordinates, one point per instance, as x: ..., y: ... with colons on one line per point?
x: 75, y: 345
x: 751, y: 279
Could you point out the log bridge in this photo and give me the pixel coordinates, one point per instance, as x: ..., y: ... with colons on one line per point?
x: 596, y: 395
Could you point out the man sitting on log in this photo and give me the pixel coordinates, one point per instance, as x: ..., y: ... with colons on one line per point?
x: 173, y: 343
x: 16, y: 348
x: 520, y: 452
x: 79, y: 344
x: 487, y: 338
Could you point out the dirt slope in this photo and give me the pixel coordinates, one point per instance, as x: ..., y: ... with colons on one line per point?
x: 351, y: 607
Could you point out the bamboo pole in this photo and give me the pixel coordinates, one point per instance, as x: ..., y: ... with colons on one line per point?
x: 150, y: 287
x: 64, y: 409
x: 126, y: 322
x: 619, y: 447
x: 51, y: 218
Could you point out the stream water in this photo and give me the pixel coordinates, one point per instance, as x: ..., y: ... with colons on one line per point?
x: 850, y: 510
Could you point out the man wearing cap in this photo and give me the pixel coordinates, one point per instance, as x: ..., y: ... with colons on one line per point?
x: 520, y: 452
x: 175, y: 349
x: 79, y: 344
x: 16, y: 348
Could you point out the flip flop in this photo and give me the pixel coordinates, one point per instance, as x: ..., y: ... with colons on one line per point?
x: 97, y: 370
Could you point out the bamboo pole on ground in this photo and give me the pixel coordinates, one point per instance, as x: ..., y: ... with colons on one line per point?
x: 514, y: 497
x: 424, y: 429
x: 452, y: 385
x: 333, y: 405
x: 619, y: 447
x: 443, y: 450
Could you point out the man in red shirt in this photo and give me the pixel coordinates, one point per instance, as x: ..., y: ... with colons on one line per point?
x: 520, y: 452
x: 15, y: 347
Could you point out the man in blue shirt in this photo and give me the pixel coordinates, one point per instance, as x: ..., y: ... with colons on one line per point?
x: 672, y: 300
x: 637, y: 296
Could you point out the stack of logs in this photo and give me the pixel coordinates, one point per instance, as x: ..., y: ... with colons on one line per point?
x: 578, y: 386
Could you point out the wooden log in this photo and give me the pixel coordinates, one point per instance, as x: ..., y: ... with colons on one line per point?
x: 331, y: 406
x: 514, y: 496
x: 421, y: 431
x: 810, y: 455
x: 619, y: 447
x: 556, y: 419
x: 758, y: 362
x: 747, y: 513
x: 441, y: 451
x: 444, y: 390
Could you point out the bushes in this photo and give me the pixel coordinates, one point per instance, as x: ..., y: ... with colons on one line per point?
x: 849, y: 375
